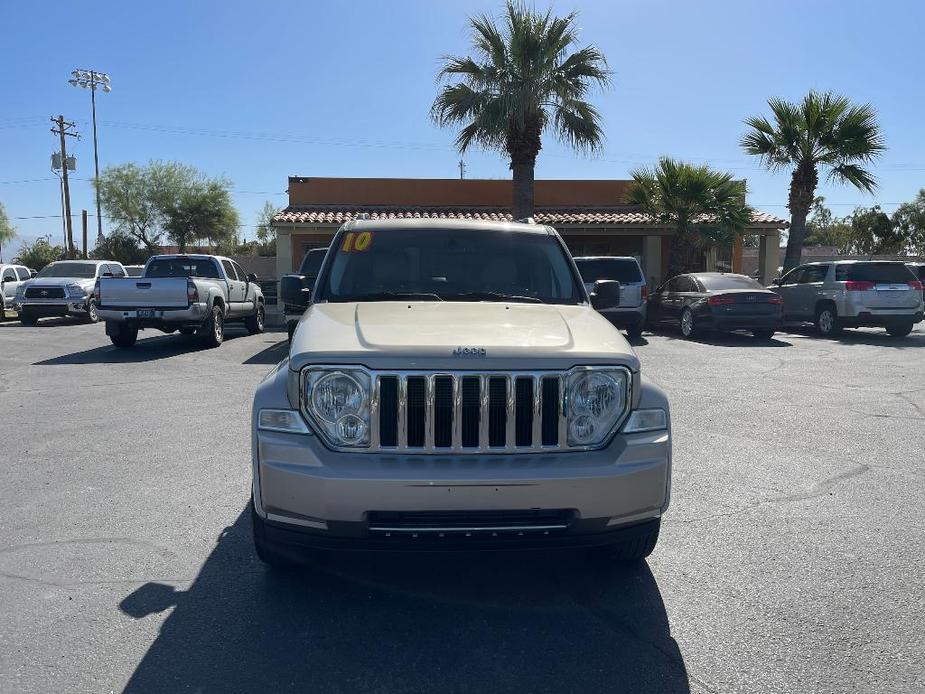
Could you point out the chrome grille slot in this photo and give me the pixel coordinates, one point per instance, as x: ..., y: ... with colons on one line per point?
x: 446, y: 412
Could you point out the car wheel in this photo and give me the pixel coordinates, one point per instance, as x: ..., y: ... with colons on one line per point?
x: 27, y: 318
x: 267, y: 555
x: 900, y: 330
x: 2, y: 312
x: 92, y: 316
x: 255, y: 323
x: 687, y: 323
x: 632, y: 550
x: 763, y: 334
x: 125, y: 337
x: 214, y: 329
x: 827, y: 321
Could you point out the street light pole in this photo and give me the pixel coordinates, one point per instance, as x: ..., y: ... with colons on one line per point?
x: 91, y: 79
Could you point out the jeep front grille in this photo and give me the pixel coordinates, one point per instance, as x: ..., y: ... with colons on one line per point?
x: 468, y: 412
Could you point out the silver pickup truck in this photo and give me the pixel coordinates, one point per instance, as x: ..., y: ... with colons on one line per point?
x: 451, y: 385
x: 190, y: 293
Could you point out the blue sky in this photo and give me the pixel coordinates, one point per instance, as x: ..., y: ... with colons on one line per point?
x: 260, y: 91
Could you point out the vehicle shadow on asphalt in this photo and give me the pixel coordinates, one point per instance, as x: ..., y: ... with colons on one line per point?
x: 408, y: 623
x: 873, y: 337
x: 146, y: 349
x: 273, y: 354
x: 721, y: 339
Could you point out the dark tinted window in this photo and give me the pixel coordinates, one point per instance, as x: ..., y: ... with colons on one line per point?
x: 874, y: 272
x: 687, y: 284
x: 229, y: 270
x: 133, y: 271
x: 714, y: 283
x: 452, y: 264
x: 311, y: 263
x: 23, y: 273
x: 792, y: 277
x: 814, y: 273
x: 240, y: 270
x: 68, y: 269
x: 182, y: 267
x: 918, y: 270
x: 9, y: 275
x: 621, y: 269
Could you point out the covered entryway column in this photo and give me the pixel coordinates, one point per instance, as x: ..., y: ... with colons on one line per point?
x: 768, y: 256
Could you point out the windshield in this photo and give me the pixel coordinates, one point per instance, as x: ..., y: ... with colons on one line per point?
x: 182, y: 267
x: 449, y: 265
x: 82, y: 270
x: 623, y: 270
x: 714, y: 283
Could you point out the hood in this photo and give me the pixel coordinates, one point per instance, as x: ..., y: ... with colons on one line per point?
x: 402, y: 334
x: 60, y: 281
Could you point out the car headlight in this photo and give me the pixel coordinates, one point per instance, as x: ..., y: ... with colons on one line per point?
x: 337, y: 402
x: 75, y: 291
x: 596, y: 400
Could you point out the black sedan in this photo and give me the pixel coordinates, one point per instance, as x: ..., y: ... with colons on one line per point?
x: 715, y: 301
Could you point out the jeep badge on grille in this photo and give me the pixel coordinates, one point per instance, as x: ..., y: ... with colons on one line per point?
x: 469, y: 352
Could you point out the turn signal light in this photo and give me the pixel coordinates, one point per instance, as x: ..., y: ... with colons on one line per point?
x: 192, y: 294
x: 96, y: 292
x: 645, y: 292
x: 915, y: 284
x: 858, y: 286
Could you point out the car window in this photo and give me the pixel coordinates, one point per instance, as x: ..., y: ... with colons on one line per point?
x: 624, y: 270
x: 182, y: 267
x: 672, y: 285
x: 686, y: 283
x: 718, y: 282
x: 24, y: 273
x: 883, y: 272
x: 240, y: 270
x: 793, y: 277
x: 449, y: 265
x: 814, y: 273
x: 116, y: 270
x: 9, y: 275
x: 229, y: 270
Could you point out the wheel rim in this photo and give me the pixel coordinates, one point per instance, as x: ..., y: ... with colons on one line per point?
x: 260, y: 318
x: 826, y: 321
x: 218, y: 325
x: 91, y: 310
x: 687, y: 322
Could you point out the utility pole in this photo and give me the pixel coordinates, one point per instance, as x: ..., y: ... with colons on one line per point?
x: 83, y: 222
x: 462, y: 169
x: 93, y: 80
x: 64, y: 130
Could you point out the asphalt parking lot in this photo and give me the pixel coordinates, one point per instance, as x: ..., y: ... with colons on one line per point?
x: 791, y: 559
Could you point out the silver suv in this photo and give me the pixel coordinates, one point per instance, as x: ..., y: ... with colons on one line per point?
x: 631, y: 312
x: 852, y: 293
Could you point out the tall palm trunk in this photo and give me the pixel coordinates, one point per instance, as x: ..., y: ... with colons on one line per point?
x: 522, y: 202
x: 523, y: 144
x: 681, y: 251
x: 802, y: 189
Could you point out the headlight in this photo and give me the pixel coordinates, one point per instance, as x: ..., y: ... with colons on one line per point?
x: 596, y: 400
x: 75, y: 291
x: 337, y: 401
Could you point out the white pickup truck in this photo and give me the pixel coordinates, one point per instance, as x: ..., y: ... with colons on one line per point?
x: 190, y: 293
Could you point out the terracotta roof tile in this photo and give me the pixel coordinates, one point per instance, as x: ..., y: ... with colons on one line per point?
x: 613, y: 216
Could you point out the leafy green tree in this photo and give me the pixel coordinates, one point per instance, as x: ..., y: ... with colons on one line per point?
x: 824, y: 229
x: 522, y: 81
x: 266, y: 234
x: 823, y: 131
x: 122, y: 247
x: 39, y: 253
x: 909, y: 220
x: 7, y: 232
x: 202, y: 210
x: 873, y: 233
x: 704, y: 206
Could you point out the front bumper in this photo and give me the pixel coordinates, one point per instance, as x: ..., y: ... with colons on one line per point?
x: 310, y: 496
x: 52, y: 307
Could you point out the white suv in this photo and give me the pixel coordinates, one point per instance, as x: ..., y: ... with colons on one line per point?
x: 852, y: 293
x: 631, y: 312
x: 11, y: 276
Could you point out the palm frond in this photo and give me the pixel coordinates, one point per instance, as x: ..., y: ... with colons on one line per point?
x: 855, y: 175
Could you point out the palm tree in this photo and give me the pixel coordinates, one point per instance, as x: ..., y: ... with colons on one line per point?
x: 705, y: 207
x: 824, y: 130
x: 521, y: 81
x: 7, y: 232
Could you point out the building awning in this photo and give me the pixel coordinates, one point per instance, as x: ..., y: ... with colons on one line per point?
x: 622, y: 216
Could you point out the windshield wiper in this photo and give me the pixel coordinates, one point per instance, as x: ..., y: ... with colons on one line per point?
x: 390, y: 296
x: 496, y: 296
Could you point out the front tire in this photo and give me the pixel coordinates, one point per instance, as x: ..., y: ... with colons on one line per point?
x: 92, y: 316
x: 213, y: 332
x: 255, y: 323
x: 634, y: 333
x: 125, y: 336
x: 900, y: 330
x: 827, y: 323
x: 268, y: 556
x: 688, y: 328
x: 634, y: 549
x: 763, y: 334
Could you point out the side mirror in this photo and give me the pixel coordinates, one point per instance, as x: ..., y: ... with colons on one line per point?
x: 293, y: 292
x: 252, y: 277
x: 33, y: 274
x: 606, y: 294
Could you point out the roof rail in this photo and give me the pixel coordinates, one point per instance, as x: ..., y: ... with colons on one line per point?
x: 526, y: 220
